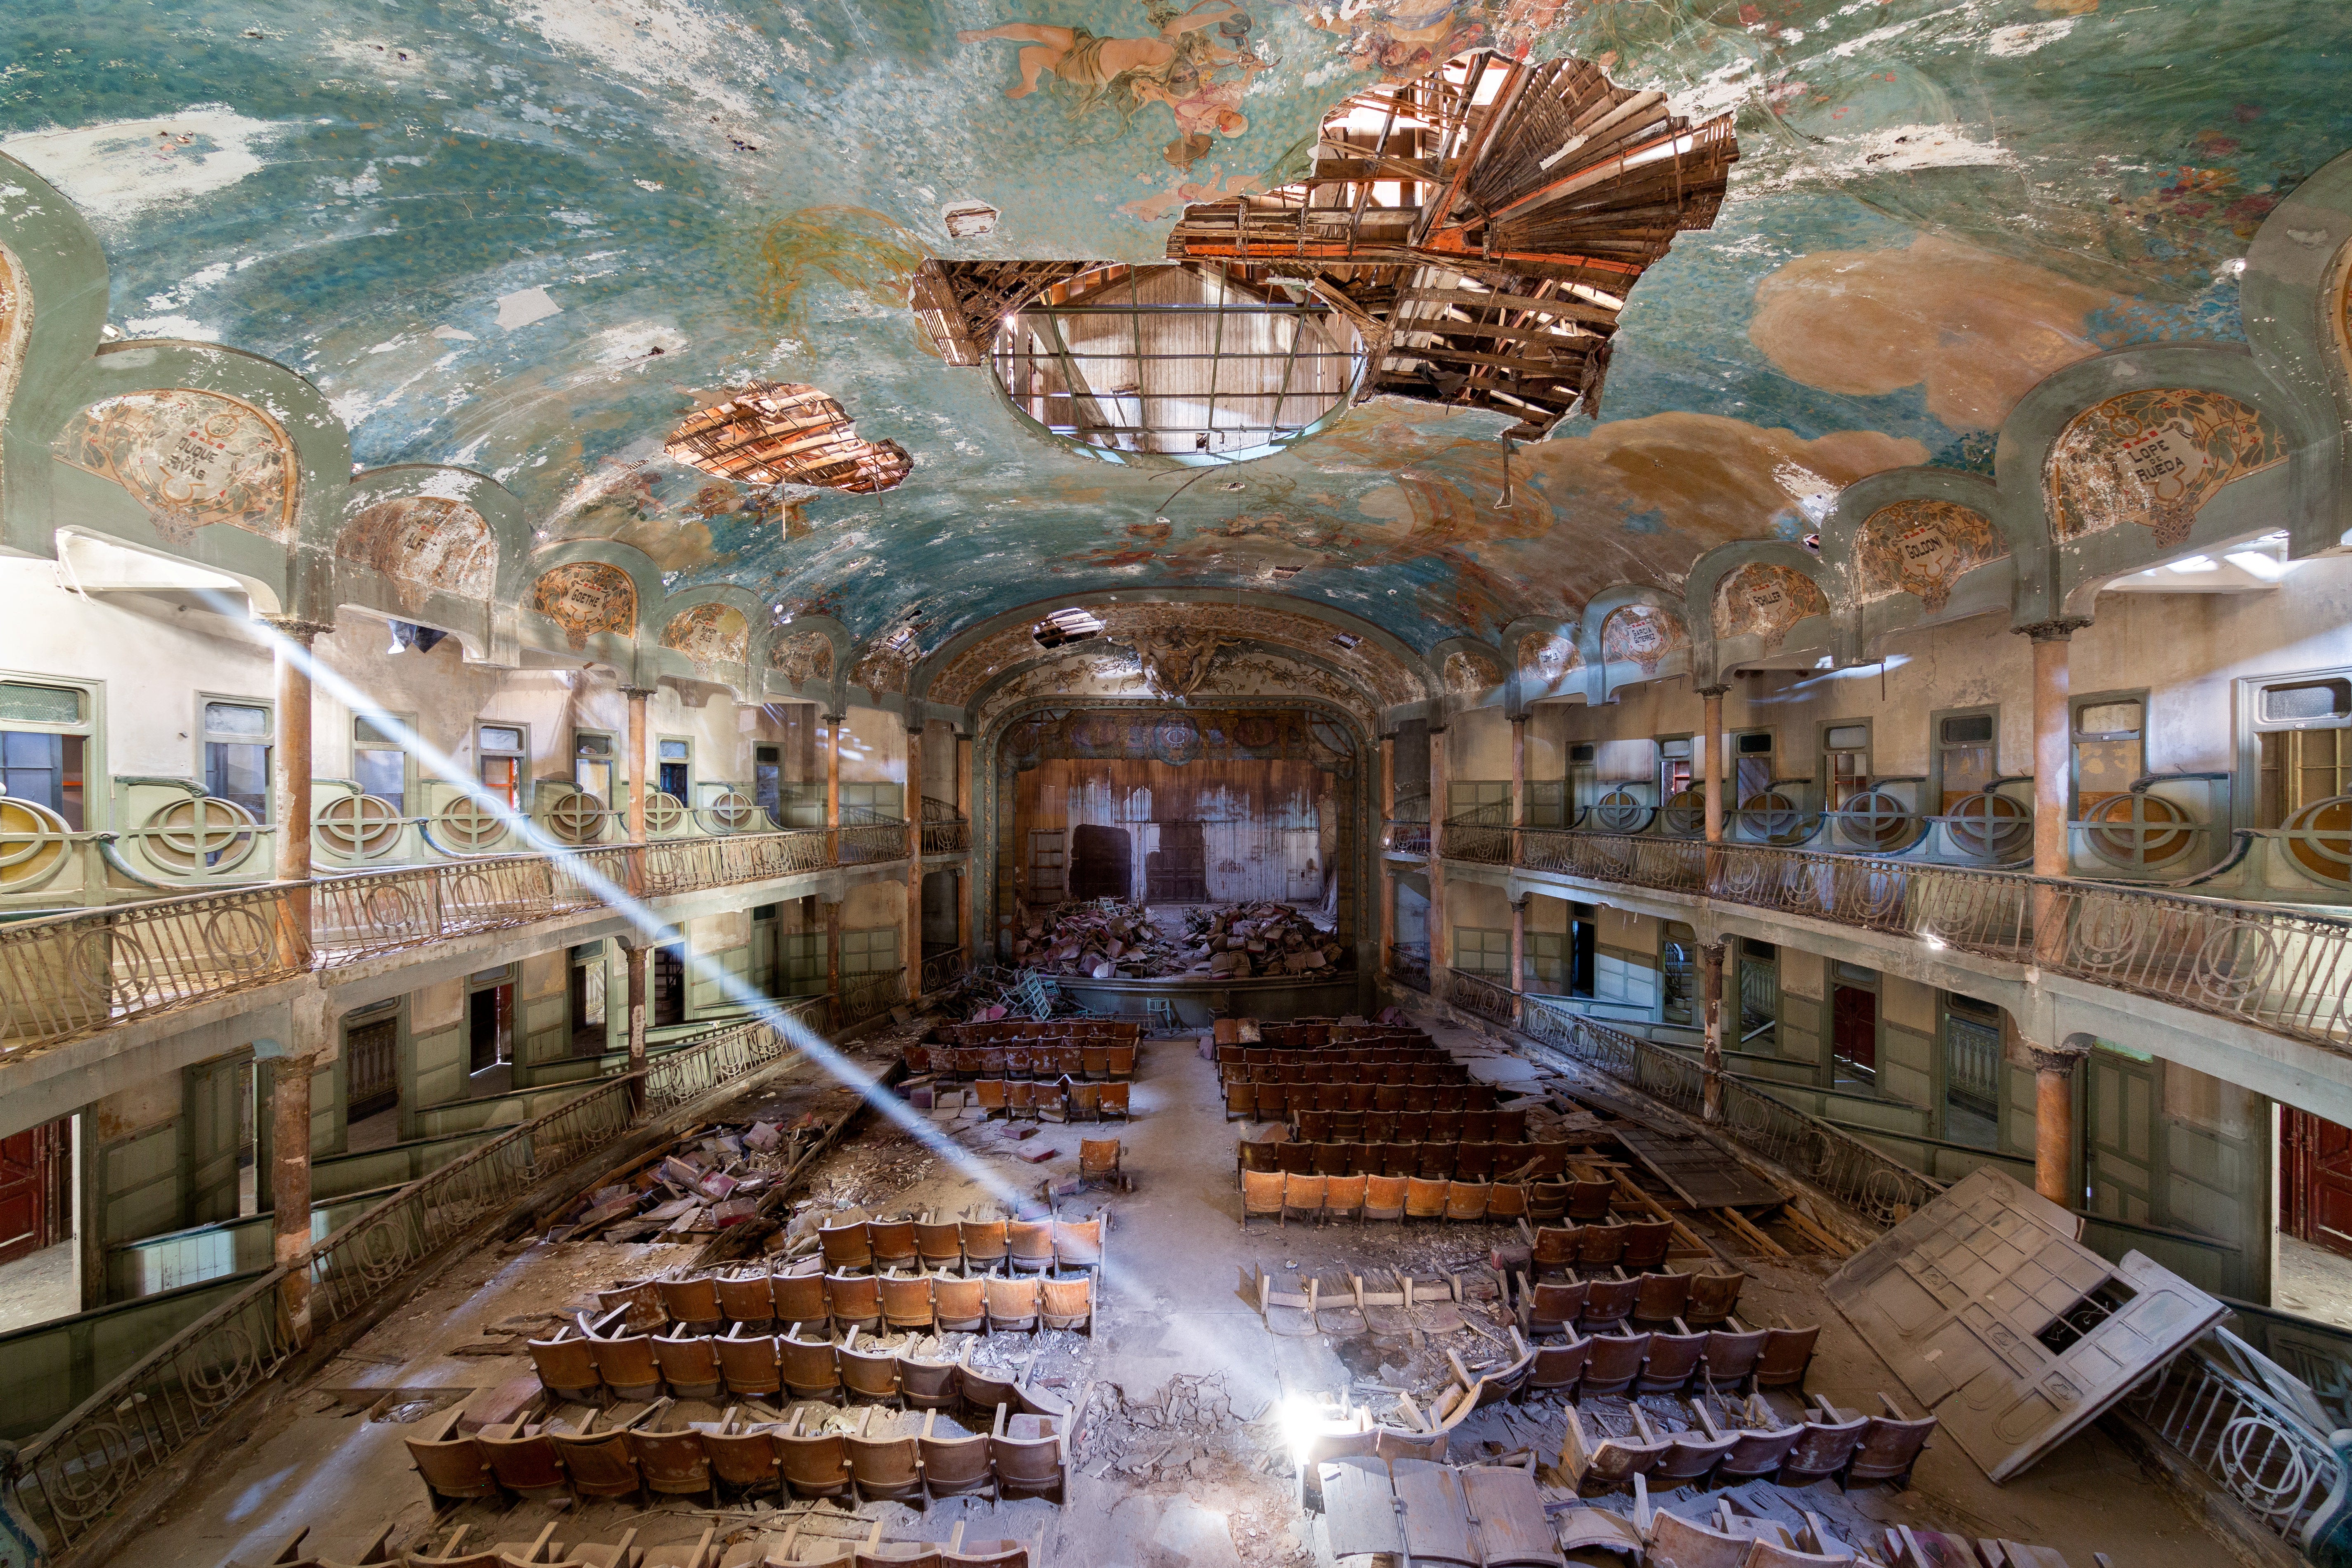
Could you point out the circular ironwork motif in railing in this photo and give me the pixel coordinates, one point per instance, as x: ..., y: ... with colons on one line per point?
x: 1881, y: 895
x: 469, y: 825
x: 2111, y: 931
x: 83, y: 1474
x: 1876, y: 819
x: 2234, y: 964
x: 2319, y: 840
x: 212, y: 1384
x: 732, y: 810
x: 109, y: 967
x: 2136, y: 828
x: 378, y: 1256
x: 1684, y: 812
x: 577, y: 818
x: 2270, y: 1480
x: 32, y: 842
x: 359, y: 824
x: 1745, y: 876
x: 200, y: 833
x: 238, y: 937
x: 1887, y: 1196
x: 664, y: 812
x: 389, y: 909
x: 1621, y: 811
x: 1804, y: 885
x: 1771, y: 815
x: 1989, y: 827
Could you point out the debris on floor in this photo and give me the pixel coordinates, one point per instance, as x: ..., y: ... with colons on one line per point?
x: 1106, y: 939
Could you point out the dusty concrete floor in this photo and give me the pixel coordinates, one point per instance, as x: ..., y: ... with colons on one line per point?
x: 2313, y: 1281
x: 1178, y: 1368
x: 40, y: 1286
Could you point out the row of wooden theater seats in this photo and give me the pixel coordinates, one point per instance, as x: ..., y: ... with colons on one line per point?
x: 1020, y: 1455
x: 1250, y: 1062
x: 1313, y: 1124
x: 892, y: 1302
x: 1076, y: 1101
x: 1282, y: 1193
x: 792, y: 1548
x: 1757, y: 1444
x: 1647, y: 1292
x: 1280, y: 1101
x: 1431, y: 1070
x: 1073, y: 1031
x: 1308, y: 1034
x: 1610, y: 1361
x: 1096, y: 1064
x: 1018, y: 1244
x: 1435, y: 1160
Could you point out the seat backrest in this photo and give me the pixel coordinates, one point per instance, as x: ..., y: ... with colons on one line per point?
x: 596, y: 1460
x: 1646, y: 1241
x: 1675, y: 1539
x: 452, y: 1467
x: 853, y: 1296
x: 1465, y: 1200
x: 1555, y: 1247
x: 740, y: 1458
x: 1607, y: 1300
x: 1424, y: 1197
x: 1825, y: 1446
x: 1068, y: 1300
x: 1012, y: 1300
x: 1384, y: 1194
x: 1345, y: 1194
x: 1558, y: 1366
x: 984, y: 1240
x: 1097, y: 1156
x: 955, y: 1300
x: 1552, y: 1302
x: 1662, y: 1295
x: 938, y: 1245
x: 1674, y: 1356
x: 892, y: 1240
x: 1261, y: 1192
x: 567, y: 1361
x: 1787, y: 1353
x: 687, y: 1358
x: 1615, y: 1356
x: 690, y: 1300
x: 1304, y: 1194
x: 1077, y: 1243
x: 800, y: 1298
x: 1600, y: 1246
x: 1732, y: 1356
x: 748, y: 1362
x: 1713, y: 1295
x: 846, y: 1246
x: 1890, y: 1446
x: 523, y: 1463
x: 1295, y: 1157
x: 745, y: 1297
x: 1334, y: 1159
x: 1033, y: 1241
x: 674, y: 1459
x: 1588, y: 1200
x: 953, y: 1461
x: 808, y: 1364
x: 863, y: 1372
x: 821, y: 1460
x: 985, y: 1391
x: 905, y: 1299
x: 1115, y: 1097
x: 626, y: 1360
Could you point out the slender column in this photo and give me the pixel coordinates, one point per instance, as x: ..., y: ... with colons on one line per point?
x: 290, y: 784
x: 639, y: 957
x: 635, y: 823
x: 1710, y: 762
x: 2053, y: 1122
x: 833, y: 958
x: 912, y: 941
x: 289, y: 1144
x: 1518, y: 770
x: 965, y: 879
x: 2051, y: 734
x: 1441, y: 937
x: 1518, y: 950
x: 833, y: 722
x: 1388, y: 895
x: 1710, y: 980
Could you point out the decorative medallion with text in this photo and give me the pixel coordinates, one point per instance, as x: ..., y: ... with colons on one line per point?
x: 709, y: 636
x: 1763, y: 599
x: 423, y: 544
x: 804, y: 657
x: 1641, y: 635
x: 2153, y: 458
x: 193, y: 459
x: 1924, y: 548
x: 585, y: 598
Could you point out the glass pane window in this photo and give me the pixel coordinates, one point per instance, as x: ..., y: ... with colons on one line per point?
x: 673, y: 751
x: 1675, y: 773
x: 592, y: 766
x: 236, y: 718
x: 873, y: 952
x: 237, y: 754
x: 45, y: 769
x: 1479, y: 950
x: 1547, y: 966
x: 502, y: 777
x: 1845, y: 763
x: 2304, y: 745
x: 2108, y: 750
x: 1964, y: 755
x: 500, y: 738
x: 1751, y: 765
x: 21, y: 704
x: 378, y: 762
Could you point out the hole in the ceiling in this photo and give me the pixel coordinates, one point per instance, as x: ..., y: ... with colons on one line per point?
x: 968, y: 220
x: 787, y: 433
x: 1283, y: 573
x: 1069, y: 626
x: 1176, y: 365
x: 1346, y: 639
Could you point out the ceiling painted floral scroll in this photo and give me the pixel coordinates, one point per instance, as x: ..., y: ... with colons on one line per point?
x: 709, y: 636
x: 192, y: 459
x: 1924, y: 548
x: 1642, y: 636
x: 587, y: 599
x: 1764, y: 599
x: 2153, y: 458
x: 422, y: 545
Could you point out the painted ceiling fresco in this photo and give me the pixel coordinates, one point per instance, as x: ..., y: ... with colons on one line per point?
x: 531, y: 236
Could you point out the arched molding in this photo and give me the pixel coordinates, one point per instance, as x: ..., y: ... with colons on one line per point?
x: 1973, y: 507
x: 632, y: 653
x: 827, y: 687
x: 1545, y: 658
x: 389, y: 560
x: 1806, y: 628
x: 696, y: 637
x: 2295, y: 299
x: 1348, y: 692
x: 1606, y: 677
x: 1467, y: 673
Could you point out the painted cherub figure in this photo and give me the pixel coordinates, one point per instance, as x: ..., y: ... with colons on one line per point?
x: 1170, y: 69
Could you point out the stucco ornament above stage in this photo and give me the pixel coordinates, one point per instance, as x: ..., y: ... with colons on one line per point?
x: 1176, y: 661
x: 423, y: 544
x: 1923, y: 548
x: 2153, y: 458
x: 1762, y: 599
x: 585, y: 598
x: 194, y: 459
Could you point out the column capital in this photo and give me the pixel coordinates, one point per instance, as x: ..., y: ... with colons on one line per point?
x: 634, y: 692
x: 2052, y: 1059
x: 832, y: 718
x: 1713, y: 690
x: 1520, y: 902
x: 2058, y: 628
x: 295, y: 628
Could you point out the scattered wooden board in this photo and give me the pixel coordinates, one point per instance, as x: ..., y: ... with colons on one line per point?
x: 1699, y: 1172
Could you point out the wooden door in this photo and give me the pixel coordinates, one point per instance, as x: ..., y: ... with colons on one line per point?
x: 1853, y: 1025
x: 216, y: 1114
x: 372, y: 1054
x: 481, y: 1030
x: 1047, y: 872
x: 2315, y: 1179
x: 2120, y: 1138
x: 36, y: 1208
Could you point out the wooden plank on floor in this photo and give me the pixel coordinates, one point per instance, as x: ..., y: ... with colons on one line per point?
x: 1700, y: 1174
x: 1614, y: 1103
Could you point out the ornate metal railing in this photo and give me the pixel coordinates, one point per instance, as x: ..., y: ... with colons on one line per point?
x: 1482, y: 834
x: 1862, y: 1178
x: 68, y: 975
x: 868, y: 995
x: 2256, y: 1428
x: 1409, y: 966
x: 942, y: 970
x: 2278, y: 968
x: 74, y: 1474
x: 945, y: 830
x: 1480, y: 995
x: 721, y: 1058
x: 1407, y: 837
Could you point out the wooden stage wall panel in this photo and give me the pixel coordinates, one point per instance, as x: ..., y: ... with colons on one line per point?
x: 1219, y: 831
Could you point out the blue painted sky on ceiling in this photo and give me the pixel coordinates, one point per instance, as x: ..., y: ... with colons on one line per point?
x: 474, y: 224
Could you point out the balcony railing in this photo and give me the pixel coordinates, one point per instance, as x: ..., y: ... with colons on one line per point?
x: 720, y: 1059
x: 868, y: 996
x: 942, y: 970
x: 1409, y: 966
x: 1481, y: 997
x: 69, y: 975
x: 1407, y: 837
x: 945, y: 831
x: 2276, y: 967
x: 1482, y: 834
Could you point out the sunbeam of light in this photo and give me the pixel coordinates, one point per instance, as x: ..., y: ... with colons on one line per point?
x: 650, y: 925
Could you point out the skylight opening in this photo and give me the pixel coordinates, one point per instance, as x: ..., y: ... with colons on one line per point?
x: 1073, y: 624
x: 787, y: 433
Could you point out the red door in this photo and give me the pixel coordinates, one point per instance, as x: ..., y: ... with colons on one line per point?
x: 1853, y: 1025
x: 2315, y: 1179
x: 34, y: 1203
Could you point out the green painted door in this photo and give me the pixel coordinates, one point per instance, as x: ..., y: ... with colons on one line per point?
x: 216, y: 1111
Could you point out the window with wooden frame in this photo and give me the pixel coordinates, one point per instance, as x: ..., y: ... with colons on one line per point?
x: 595, y: 764
x: 1675, y: 772
x: 1966, y: 755
x: 48, y: 731
x: 236, y: 735
x: 1752, y: 760
x: 2301, y: 744
x: 2108, y: 746
x: 380, y: 760
x: 502, y: 756
x: 1845, y: 761
x: 1480, y: 951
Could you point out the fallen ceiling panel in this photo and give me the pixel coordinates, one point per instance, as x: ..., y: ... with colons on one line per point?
x: 2013, y: 1333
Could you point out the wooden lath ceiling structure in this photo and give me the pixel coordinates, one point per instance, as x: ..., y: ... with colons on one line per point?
x: 959, y: 303
x: 1482, y: 226
x: 787, y: 433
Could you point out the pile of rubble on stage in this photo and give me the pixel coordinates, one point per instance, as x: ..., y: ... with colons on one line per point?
x: 1108, y: 940
x: 691, y: 1191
